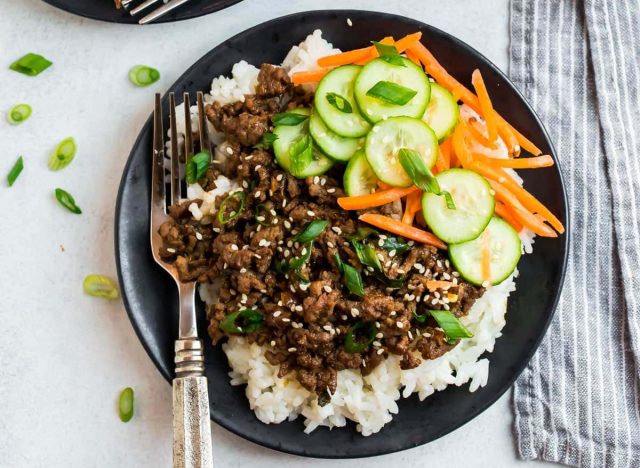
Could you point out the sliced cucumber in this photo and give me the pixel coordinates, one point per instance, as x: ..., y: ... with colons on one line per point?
x: 287, y: 136
x: 333, y: 145
x: 387, y: 137
x: 504, y: 249
x: 442, y: 113
x: 471, y: 194
x: 359, y: 179
x: 340, y: 81
x: 410, y: 76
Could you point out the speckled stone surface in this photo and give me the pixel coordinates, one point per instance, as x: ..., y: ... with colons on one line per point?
x: 64, y: 357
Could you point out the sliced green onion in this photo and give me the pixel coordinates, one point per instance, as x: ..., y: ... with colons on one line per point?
x: 288, y: 118
x: 367, y: 255
x: 125, y: 405
x: 100, y: 286
x: 363, y: 233
x: 420, y: 318
x: 197, y: 166
x: 263, y: 215
x: 301, y: 155
x: 64, y: 153
x: 392, y: 93
x: 18, y: 114
x: 31, y: 64
x: 350, y: 276
x: 422, y: 177
x: 240, y: 196
x: 450, y: 324
x: 355, y: 342
x: 267, y: 141
x: 297, y: 263
x: 242, y: 322
x: 389, y: 54
x: 15, y: 171
x: 339, y: 103
x: 141, y: 75
x: 311, y: 231
x: 67, y: 201
x: 280, y: 266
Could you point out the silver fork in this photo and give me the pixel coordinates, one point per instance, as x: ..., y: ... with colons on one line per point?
x: 191, y: 423
x: 155, y: 14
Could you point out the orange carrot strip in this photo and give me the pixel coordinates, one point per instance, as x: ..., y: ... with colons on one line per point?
x: 477, y: 135
x: 505, y: 213
x: 445, y: 151
x: 433, y: 285
x: 460, y: 146
x: 522, y: 163
x: 411, y: 56
x: 412, y: 206
x: 373, y: 52
x: 312, y: 76
x: 460, y: 92
x: 379, y: 198
x: 486, y: 106
x: 382, y: 185
x: 408, y: 41
x: 485, y: 257
x: 441, y: 165
x: 510, y: 140
x: 344, y: 58
x: 401, y: 229
x: 408, y: 215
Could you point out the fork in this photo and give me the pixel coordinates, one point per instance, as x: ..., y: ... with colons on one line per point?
x: 155, y: 14
x: 191, y: 423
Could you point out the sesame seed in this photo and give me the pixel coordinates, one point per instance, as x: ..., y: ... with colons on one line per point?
x: 287, y: 224
x: 355, y: 312
x: 303, y: 287
x: 330, y: 244
x: 439, y: 263
x: 380, y: 243
x: 327, y: 327
x: 224, y: 267
x: 292, y: 349
x: 310, y: 213
x: 260, y: 218
x: 446, y: 276
x: 393, y: 313
x: 257, y: 167
x: 215, y: 229
x: 392, y: 253
x: 447, y: 263
x: 257, y: 194
x: 277, y: 313
x: 233, y: 292
x: 198, y: 236
x: 316, y: 180
x: 401, y: 271
x: 273, y: 342
x: 249, y: 158
x: 289, y: 244
x: 434, y: 302
x: 436, y: 294
x: 279, y: 177
x: 399, y: 324
x: 286, y: 253
x: 410, y: 335
x: 446, y: 306
x: 286, y: 320
x: 280, y: 303
x: 259, y: 257
x: 284, y: 203
x: 332, y: 332
x: 229, y: 150
x: 234, y: 247
x: 364, y: 363
x: 380, y: 351
x: 388, y: 264
x: 344, y: 317
x: 377, y: 344
x: 379, y: 335
x: 263, y: 291
x: 336, y: 229
x: 411, y: 297
x: 243, y: 270
x: 331, y: 190
x: 273, y: 212
x: 418, y: 299
x: 327, y: 288
x: 243, y: 299
x: 349, y: 22
x: 170, y: 250
x: 323, y: 181
x: 293, y: 289
x: 417, y: 266
x: 377, y: 324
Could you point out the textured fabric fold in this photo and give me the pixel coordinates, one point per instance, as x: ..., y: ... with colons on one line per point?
x: 577, y: 401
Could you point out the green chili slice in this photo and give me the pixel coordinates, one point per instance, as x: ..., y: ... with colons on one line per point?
x: 100, y: 286
x: 141, y: 75
x: 15, y: 171
x: 311, y: 231
x: 64, y: 153
x: 18, y: 114
x: 242, y: 322
x: 422, y: 177
x: 197, y: 166
x: 450, y: 324
x: 391, y: 93
x: 359, y: 337
x: 241, y: 197
x: 125, y: 405
x: 67, y: 201
x: 31, y: 64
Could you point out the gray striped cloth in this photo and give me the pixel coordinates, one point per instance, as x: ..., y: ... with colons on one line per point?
x: 578, y: 62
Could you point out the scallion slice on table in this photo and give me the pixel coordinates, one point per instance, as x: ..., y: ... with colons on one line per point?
x: 242, y: 322
x: 63, y: 154
x: 67, y: 201
x: 392, y: 93
x: 311, y: 231
x: 15, y: 171
x: 100, y: 286
x: 197, y: 166
x: 359, y: 337
x: 18, y: 114
x: 31, y: 64
x: 125, y: 405
x: 141, y: 75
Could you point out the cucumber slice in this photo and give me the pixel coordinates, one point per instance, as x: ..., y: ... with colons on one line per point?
x: 471, y: 194
x: 504, y: 247
x: 340, y: 81
x: 333, y: 145
x: 359, y: 179
x: 442, y: 113
x: 287, y: 136
x: 410, y: 76
x: 387, y: 137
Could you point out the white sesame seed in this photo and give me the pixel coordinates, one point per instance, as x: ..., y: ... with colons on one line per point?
x: 331, y: 190
x: 377, y: 344
x: 273, y: 342
x: 418, y: 299
x: 380, y: 351
x: 292, y: 287
x: 284, y: 203
x: 257, y: 194
x: 336, y: 229
x: 388, y: 264
x: 316, y: 180
x: 364, y: 363
x: 260, y: 218
x: 330, y: 244
x: 277, y: 313
x: 234, y: 247
x: 436, y: 294
x: 233, y: 292
x: 446, y: 306
x: 229, y: 150
x: 257, y: 167
x: 446, y: 276
x: 380, y: 243
x: 411, y: 297
x: 344, y: 317
x: 286, y: 253
x: 289, y: 244
x: 327, y: 327
x: 310, y: 213
x: 447, y: 263
x: 377, y: 324
x: 399, y: 324
x: 393, y: 313
x: 355, y: 312
x: 417, y: 266
x: 286, y: 320
x: 410, y: 335
x: 279, y: 177
x: 349, y: 22
x: 323, y: 181
x: 292, y: 349
x: 303, y: 287
x: 434, y: 302
x: 224, y: 267
x: 401, y: 271
x: 243, y: 270
x: 198, y: 236
x: 327, y: 288
x: 245, y: 184
x: 439, y: 263
x: 243, y: 298
x: 170, y: 250
x: 215, y: 229
x: 379, y: 335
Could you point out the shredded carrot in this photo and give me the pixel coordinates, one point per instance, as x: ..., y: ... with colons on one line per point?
x: 445, y: 151
x: 309, y: 76
x: 379, y: 198
x: 441, y: 164
x: 382, y: 185
x: 486, y: 105
x: 460, y: 92
x: 344, y: 58
x: 476, y: 134
x: 433, y: 285
x: 485, y: 257
x: 510, y: 140
x: 534, y: 162
x: 412, y: 206
x: 460, y: 146
x: 373, y: 52
x: 399, y: 228
x: 411, y: 56
x: 505, y: 213
x: 408, y: 41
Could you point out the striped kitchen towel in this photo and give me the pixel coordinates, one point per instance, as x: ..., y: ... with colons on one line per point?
x: 578, y: 62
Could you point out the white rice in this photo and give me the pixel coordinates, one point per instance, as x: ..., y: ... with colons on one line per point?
x: 369, y: 401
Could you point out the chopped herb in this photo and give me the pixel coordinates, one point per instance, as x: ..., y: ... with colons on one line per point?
x: 388, y: 242
x: 242, y: 322
x: 263, y: 215
x: 367, y: 255
x: 311, y: 231
x: 339, y: 102
x: 197, y: 166
x: 421, y: 176
x: 31, y: 64
x: 125, y: 405
x: 267, y: 141
x: 350, y: 276
x: 63, y: 154
x: 392, y: 93
x: 359, y: 337
x: 141, y: 75
x: 15, y: 171
x: 301, y: 155
x: 67, y: 201
x: 18, y: 114
x: 452, y: 327
x: 239, y: 197
x: 389, y: 54
x: 100, y: 286
x: 297, y: 263
x: 288, y: 118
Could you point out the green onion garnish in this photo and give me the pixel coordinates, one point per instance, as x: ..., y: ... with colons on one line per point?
x: 18, y: 114
x: 125, y: 405
x: 421, y: 176
x: 242, y: 322
x: 350, y: 276
x: 355, y: 342
x: 392, y: 93
x: 197, y: 166
x: 301, y: 155
x: 367, y: 255
x: 240, y: 196
x: 389, y: 54
x: 63, y: 154
x: 288, y: 118
x: 141, y: 75
x: 449, y: 323
x: 15, y: 171
x: 30, y: 64
x: 311, y: 231
x: 267, y: 141
x: 100, y: 286
x: 339, y: 102
x: 67, y: 201
x: 297, y: 263
x: 387, y: 242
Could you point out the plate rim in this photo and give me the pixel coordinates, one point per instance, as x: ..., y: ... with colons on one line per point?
x: 566, y: 237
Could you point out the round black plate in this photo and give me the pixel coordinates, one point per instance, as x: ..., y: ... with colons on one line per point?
x: 105, y: 10
x: 150, y: 296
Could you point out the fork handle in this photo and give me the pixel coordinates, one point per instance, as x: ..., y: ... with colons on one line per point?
x: 191, y: 420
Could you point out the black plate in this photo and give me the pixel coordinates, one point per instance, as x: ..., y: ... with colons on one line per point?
x: 105, y: 10
x: 150, y: 296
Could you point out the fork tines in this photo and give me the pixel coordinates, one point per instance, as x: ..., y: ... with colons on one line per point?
x: 162, y: 10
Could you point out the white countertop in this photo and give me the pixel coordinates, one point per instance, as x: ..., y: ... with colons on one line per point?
x: 65, y: 356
